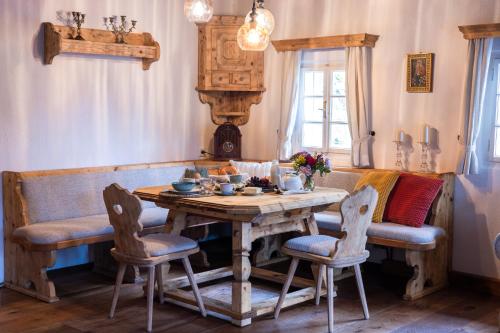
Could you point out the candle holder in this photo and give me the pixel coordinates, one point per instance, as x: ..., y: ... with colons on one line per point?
x: 399, y: 153
x: 78, y: 19
x: 120, y: 30
x: 424, y: 165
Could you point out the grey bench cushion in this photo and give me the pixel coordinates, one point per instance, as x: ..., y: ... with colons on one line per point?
x: 67, y: 196
x: 163, y: 244
x: 82, y: 227
x: 320, y: 245
x: 425, y: 234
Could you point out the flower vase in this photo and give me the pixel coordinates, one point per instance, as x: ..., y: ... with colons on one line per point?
x: 309, y: 184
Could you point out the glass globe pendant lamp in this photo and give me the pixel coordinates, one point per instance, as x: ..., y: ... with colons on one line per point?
x: 264, y: 17
x: 251, y: 36
x: 198, y: 11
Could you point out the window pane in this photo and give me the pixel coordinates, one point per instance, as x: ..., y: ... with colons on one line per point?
x: 313, y: 83
x: 498, y: 110
x: 338, y: 83
x: 498, y: 80
x: 312, y: 135
x: 340, y: 138
x: 338, y: 109
x: 313, y: 109
x: 497, y: 142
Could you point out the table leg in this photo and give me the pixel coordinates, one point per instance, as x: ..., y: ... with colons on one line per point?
x: 242, y: 288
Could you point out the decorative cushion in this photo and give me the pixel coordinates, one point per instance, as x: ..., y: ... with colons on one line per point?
x: 82, y: 227
x: 163, y: 244
x: 383, y: 182
x: 254, y: 169
x: 424, y: 235
x: 320, y: 245
x: 338, y: 179
x: 411, y: 199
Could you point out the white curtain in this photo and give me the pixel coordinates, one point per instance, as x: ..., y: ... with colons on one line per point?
x: 358, y: 108
x: 289, y: 101
x: 478, y: 60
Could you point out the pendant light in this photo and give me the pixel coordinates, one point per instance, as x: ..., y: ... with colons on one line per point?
x: 264, y: 17
x: 198, y: 11
x: 251, y: 36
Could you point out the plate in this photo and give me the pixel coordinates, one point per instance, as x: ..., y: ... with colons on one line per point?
x: 225, y: 194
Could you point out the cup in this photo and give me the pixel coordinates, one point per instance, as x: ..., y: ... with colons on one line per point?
x: 252, y: 190
x: 226, y: 188
x: 189, y: 180
x: 235, y: 179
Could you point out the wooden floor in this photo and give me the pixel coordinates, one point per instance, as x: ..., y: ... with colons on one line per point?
x: 448, y: 311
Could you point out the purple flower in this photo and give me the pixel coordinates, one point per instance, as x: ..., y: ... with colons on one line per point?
x: 306, y: 170
x: 328, y: 163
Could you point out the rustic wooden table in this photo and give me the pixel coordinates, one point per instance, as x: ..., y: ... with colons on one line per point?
x: 252, y: 217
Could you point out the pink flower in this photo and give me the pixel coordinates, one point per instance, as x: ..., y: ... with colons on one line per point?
x: 306, y: 170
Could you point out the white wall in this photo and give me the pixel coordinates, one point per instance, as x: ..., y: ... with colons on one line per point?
x: 404, y: 27
x: 89, y: 111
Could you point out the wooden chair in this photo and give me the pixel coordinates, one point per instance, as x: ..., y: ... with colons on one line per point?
x: 124, y: 210
x: 330, y: 252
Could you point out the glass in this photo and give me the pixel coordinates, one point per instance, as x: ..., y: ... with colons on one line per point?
x: 498, y: 80
x: 497, y: 142
x: 207, y: 185
x: 338, y: 83
x: 313, y: 109
x: 264, y: 18
x: 313, y: 83
x: 498, y: 110
x: 252, y: 37
x: 198, y: 11
x: 338, y: 109
x: 340, y: 137
x: 312, y: 135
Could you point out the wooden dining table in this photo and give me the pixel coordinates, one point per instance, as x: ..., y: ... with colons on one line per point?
x: 252, y: 217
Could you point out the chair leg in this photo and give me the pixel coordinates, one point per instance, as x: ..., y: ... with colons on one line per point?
x: 194, y: 286
x: 151, y: 289
x: 319, y: 281
x: 291, y: 272
x: 118, y: 283
x: 159, y: 283
x: 361, y: 290
x: 330, y: 289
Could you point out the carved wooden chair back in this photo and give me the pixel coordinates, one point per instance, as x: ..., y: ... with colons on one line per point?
x: 357, y: 213
x: 124, y: 210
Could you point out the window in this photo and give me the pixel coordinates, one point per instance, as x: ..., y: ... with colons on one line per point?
x: 322, y: 107
x: 495, y: 138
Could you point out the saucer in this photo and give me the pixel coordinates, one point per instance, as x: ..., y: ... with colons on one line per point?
x: 225, y: 194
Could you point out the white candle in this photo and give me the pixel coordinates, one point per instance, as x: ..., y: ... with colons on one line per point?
x: 401, y: 136
x: 425, y: 136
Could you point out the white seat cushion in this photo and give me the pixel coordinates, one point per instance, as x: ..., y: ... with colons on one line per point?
x: 320, y: 245
x: 82, y: 227
x: 163, y: 244
x: 425, y: 234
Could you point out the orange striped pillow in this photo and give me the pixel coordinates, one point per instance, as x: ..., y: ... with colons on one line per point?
x: 383, y: 182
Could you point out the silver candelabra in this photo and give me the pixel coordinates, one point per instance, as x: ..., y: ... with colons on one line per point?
x: 424, y: 165
x: 120, y: 29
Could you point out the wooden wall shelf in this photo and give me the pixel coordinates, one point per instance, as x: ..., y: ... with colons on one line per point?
x: 327, y: 42
x: 480, y: 30
x: 59, y: 39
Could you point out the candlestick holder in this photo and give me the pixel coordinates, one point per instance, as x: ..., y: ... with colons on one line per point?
x: 120, y: 30
x: 424, y: 165
x: 78, y: 19
x: 399, y: 154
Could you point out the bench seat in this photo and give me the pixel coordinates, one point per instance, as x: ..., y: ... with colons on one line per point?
x: 400, y: 236
x: 59, y: 234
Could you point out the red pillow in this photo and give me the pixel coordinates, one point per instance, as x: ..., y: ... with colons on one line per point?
x: 410, y: 199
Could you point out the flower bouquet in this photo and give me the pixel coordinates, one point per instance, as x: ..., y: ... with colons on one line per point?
x: 308, y: 164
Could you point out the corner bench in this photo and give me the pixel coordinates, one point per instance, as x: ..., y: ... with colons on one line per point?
x: 45, y: 211
x: 427, y: 249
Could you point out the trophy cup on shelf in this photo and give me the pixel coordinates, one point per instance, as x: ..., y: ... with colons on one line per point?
x: 120, y: 29
x: 78, y: 19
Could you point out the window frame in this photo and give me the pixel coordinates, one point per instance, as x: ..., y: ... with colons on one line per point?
x: 496, y: 95
x: 328, y: 96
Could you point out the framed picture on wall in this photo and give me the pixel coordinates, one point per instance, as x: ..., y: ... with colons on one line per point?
x: 419, y: 72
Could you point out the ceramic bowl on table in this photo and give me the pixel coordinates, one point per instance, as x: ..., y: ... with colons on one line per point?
x: 183, y: 186
x: 235, y: 179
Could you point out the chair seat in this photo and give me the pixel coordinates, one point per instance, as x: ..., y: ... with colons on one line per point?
x: 162, y: 244
x: 423, y: 235
x: 320, y: 245
x: 51, y: 232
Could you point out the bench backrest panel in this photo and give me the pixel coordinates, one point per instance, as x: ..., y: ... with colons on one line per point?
x: 70, y: 195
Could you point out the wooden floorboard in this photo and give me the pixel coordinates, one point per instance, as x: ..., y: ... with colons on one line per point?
x: 452, y: 311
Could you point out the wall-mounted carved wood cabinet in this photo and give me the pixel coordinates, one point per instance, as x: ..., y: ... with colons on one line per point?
x: 229, y: 79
